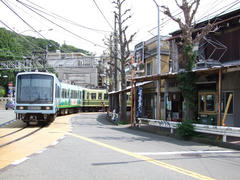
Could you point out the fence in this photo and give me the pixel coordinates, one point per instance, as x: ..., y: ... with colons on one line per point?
x: 210, y: 129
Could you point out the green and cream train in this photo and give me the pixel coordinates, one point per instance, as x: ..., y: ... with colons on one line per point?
x: 40, y: 96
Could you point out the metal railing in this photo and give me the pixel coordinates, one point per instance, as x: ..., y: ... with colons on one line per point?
x: 203, y: 128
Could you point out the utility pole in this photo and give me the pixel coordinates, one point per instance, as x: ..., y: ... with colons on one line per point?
x: 158, y: 110
x: 115, y: 98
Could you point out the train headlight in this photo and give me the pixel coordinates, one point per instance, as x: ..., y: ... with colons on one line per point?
x: 20, y: 107
x: 47, y: 107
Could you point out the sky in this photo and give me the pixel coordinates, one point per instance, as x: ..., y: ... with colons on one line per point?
x: 94, y: 19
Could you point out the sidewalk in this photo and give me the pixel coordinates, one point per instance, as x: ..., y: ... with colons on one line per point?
x: 215, y: 140
x: 7, y: 116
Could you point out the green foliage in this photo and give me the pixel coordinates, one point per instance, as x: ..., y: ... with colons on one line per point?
x: 187, y: 80
x: 186, y: 130
x: 190, y: 56
x: 2, y: 91
x: 187, y: 86
x: 13, y: 46
x: 68, y: 48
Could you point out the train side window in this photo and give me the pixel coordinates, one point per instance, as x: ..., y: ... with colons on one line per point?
x: 87, y: 95
x: 99, y: 95
x: 63, y: 93
x: 80, y: 94
x: 66, y: 93
x: 93, y: 95
x: 57, y: 93
x: 105, y: 96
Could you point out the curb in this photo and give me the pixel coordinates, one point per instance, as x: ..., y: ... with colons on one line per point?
x: 8, y: 122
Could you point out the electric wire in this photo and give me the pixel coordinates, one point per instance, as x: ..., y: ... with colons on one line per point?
x: 21, y: 37
x: 199, y: 20
x: 31, y: 8
x: 27, y: 13
x: 26, y: 22
x: 102, y: 14
x: 56, y: 16
x: 232, y: 4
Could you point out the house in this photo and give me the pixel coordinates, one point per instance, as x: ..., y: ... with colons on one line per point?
x: 217, y: 69
x: 146, y: 58
x: 76, y: 68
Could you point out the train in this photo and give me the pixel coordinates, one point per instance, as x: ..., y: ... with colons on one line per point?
x: 40, y: 97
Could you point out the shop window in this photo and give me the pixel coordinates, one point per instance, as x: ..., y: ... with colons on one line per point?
x: 225, y: 96
x: 206, y: 102
x: 202, y: 99
x: 210, y: 102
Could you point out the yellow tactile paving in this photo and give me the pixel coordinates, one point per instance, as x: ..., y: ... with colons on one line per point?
x: 35, y: 142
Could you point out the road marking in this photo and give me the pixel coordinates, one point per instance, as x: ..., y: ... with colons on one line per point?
x: 17, y: 162
x: 185, y: 152
x: 145, y: 158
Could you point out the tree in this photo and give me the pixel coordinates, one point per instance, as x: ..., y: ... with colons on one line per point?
x: 189, y: 36
x: 110, y: 67
x: 121, y: 18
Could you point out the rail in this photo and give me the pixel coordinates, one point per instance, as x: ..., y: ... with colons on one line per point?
x: 203, y: 128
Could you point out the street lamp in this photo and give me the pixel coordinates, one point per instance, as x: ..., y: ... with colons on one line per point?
x: 158, y: 63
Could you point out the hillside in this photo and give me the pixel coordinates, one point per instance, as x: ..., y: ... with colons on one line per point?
x: 14, y: 46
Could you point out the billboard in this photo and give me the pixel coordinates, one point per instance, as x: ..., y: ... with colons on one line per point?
x: 139, y: 56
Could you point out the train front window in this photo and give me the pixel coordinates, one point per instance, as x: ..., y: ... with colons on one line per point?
x: 35, y: 88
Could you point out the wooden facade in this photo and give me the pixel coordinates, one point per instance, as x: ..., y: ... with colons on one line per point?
x: 218, y: 71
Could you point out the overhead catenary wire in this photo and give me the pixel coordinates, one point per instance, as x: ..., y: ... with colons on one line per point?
x: 229, y: 6
x: 26, y: 22
x: 22, y: 37
x: 18, y: 6
x: 232, y: 4
x: 56, y: 16
x: 102, y: 14
x: 32, y: 9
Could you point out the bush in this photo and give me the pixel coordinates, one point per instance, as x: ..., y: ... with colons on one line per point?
x: 2, y: 91
x: 186, y: 130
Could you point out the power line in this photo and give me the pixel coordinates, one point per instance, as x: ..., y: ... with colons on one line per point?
x: 102, y: 14
x: 31, y: 8
x: 231, y: 6
x: 26, y: 22
x: 21, y: 37
x: 56, y: 16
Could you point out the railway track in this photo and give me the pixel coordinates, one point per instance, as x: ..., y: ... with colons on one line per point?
x: 10, y: 135
x: 17, y: 135
x: 18, y: 141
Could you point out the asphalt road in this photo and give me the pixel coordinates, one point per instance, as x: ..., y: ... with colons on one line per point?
x: 96, y: 149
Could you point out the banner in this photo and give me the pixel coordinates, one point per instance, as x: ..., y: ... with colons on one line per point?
x: 140, y: 102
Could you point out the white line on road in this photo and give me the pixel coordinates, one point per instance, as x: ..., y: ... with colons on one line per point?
x: 20, y: 161
x: 185, y: 152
